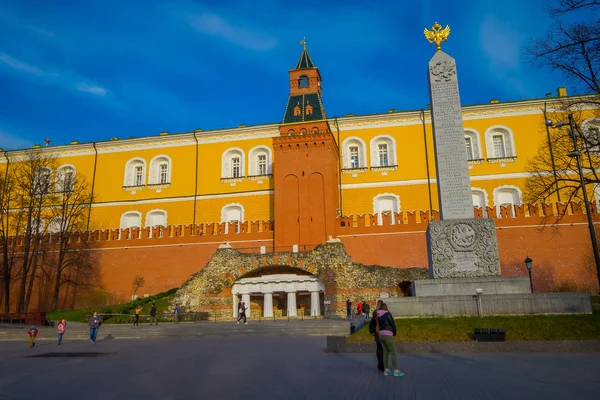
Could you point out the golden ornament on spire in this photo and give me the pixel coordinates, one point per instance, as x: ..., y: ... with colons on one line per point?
x: 303, y: 41
x: 437, y: 35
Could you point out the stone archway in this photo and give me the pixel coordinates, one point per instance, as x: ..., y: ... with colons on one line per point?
x: 212, y: 288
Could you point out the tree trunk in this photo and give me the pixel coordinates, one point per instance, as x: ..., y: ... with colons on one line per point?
x: 59, y: 268
x: 6, y: 282
x: 31, y: 280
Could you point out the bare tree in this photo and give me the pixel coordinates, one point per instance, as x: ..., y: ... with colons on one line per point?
x: 138, y: 282
x: 572, y: 49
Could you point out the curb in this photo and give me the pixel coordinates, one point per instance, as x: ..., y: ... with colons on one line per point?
x: 337, y: 344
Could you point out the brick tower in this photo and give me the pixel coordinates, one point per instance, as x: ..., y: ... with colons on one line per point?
x: 306, y: 164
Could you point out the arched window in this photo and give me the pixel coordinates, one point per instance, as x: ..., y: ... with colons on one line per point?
x: 131, y: 219
x: 315, y: 130
x: 36, y: 228
x: 590, y: 130
x: 65, y: 179
x: 259, y: 161
x: 42, y: 181
x: 499, y: 142
x: 135, y: 172
x: 354, y: 153
x: 233, y: 212
x: 297, y: 111
x: 233, y: 163
x: 480, y: 199
x: 160, y: 170
x: 472, y: 144
x: 309, y: 109
x: 156, y: 218
x: 291, y: 132
x: 507, y: 195
x: 57, y: 224
x: 383, y: 151
x: 303, y: 82
x: 303, y: 131
x: 386, y: 203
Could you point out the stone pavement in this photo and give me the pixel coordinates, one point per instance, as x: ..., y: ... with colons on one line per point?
x: 279, y: 368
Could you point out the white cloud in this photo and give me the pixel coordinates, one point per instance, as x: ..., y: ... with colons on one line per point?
x: 213, y: 25
x: 10, y: 141
x: 23, y: 66
x: 91, y: 88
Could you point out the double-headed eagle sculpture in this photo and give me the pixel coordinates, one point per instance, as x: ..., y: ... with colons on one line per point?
x: 437, y: 35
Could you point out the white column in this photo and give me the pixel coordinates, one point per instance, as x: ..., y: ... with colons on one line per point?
x: 268, y: 305
x: 315, y: 304
x: 246, y: 300
x: 235, y: 301
x: 291, y: 304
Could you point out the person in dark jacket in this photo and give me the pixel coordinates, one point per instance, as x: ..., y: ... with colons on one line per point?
x: 153, y: 314
x: 366, y: 309
x: 94, y: 324
x: 387, y: 330
x: 373, y: 331
x: 348, y: 308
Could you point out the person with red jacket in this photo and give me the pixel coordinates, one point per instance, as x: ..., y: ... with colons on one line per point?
x: 62, y: 327
x: 32, y: 332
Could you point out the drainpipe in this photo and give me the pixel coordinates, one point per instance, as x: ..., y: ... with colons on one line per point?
x: 551, y: 151
x: 87, y: 228
x: 196, y: 184
x: 427, y: 165
x: 339, y: 164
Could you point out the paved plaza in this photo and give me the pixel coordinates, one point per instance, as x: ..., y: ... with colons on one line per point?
x: 240, y: 367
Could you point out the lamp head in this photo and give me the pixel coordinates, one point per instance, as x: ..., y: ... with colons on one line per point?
x: 479, y: 291
x: 549, y: 123
x: 560, y: 125
x: 574, y: 153
x: 528, y: 263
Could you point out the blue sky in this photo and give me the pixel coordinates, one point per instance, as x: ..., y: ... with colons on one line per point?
x: 92, y: 70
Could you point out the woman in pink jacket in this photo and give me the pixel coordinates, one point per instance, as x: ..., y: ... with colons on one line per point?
x: 62, y: 327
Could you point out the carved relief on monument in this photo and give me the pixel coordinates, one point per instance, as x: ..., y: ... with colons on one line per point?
x: 443, y: 71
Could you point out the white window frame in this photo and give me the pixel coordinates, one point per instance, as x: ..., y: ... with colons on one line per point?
x: 253, y: 164
x: 130, y: 172
x: 485, y: 199
x: 40, y: 225
x: 226, y: 162
x: 128, y: 213
x: 56, y: 224
x: 59, y: 178
x: 475, y: 143
x: 391, y: 148
x: 38, y: 186
x: 225, y: 215
x: 509, y: 142
x: 362, y: 152
x: 154, y: 177
x: 377, y: 200
x: 503, y: 188
x: 354, y: 151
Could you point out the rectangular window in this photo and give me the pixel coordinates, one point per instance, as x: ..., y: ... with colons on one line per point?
x: 469, y: 148
x: 164, y: 173
x: 499, y: 146
x: 235, y: 167
x: 68, y: 181
x: 354, y: 160
x: 139, y: 176
x: 262, y: 164
x: 383, y: 155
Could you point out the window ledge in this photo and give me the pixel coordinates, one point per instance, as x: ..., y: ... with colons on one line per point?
x: 502, y: 160
x: 158, y: 186
x: 385, y: 168
x: 259, y: 177
x: 133, y: 188
x: 354, y: 170
x: 477, y: 161
x: 233, y: 180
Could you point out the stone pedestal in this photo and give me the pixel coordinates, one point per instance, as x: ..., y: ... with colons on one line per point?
x: 291, y: 304
x: 268, y: 305
x: 465, y: 248
x: 468, y: 286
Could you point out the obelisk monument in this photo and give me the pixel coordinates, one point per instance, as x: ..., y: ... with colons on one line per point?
x: 459, y: 245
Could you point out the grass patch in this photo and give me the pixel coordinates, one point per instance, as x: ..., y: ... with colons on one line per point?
x: 162, y: 301
x: 518, y: 328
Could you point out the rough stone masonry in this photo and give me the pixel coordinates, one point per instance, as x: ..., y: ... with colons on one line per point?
x: 459, y: 246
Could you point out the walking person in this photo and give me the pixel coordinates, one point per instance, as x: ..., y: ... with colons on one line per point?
x: 348, y: 308
x: 387, y: 330
x: 366, y: 309
x: 62, y: 327
x: 242, y: 312
x: 32, y: 333
x: 373, y: 331
x: 138, y: 310
x: 153, y: 314
x: 176, y: 312
x: 359, y: 308
x: 94, y: 325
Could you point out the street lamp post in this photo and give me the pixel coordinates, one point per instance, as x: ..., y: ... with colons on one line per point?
x: 577, y: 154
x: 528, y: 264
